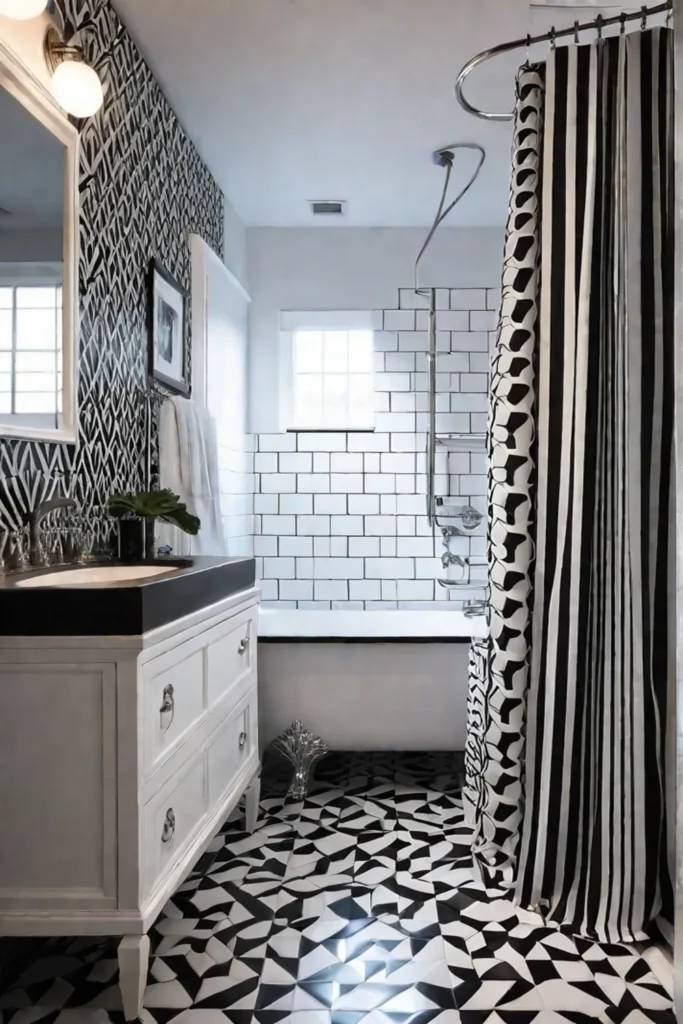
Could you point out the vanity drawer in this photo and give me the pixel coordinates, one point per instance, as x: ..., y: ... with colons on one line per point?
x: 171, y: 818
x: 173, y: 701
x: 231, y: 657
x: 232, y: 746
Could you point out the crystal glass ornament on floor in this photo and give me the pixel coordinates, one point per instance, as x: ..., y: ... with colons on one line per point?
x: 302, y: 749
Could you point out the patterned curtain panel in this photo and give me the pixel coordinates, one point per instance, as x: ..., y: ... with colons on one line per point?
x: 500, y: 696
x: 593, y: 852
x: 477, y: 722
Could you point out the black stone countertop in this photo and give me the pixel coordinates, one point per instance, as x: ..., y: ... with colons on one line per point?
x: 124, y: 607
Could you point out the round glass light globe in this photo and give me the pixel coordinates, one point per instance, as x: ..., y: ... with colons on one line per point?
x: 77, y: 88
x: 22, y: 10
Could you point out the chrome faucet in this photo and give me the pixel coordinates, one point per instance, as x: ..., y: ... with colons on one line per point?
x: 36, y: 553
x: 448, y: 558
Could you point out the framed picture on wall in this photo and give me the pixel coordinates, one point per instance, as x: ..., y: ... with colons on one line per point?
x: 168, y: 361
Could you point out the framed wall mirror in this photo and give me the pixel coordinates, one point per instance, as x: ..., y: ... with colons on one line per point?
x: 38, y: 260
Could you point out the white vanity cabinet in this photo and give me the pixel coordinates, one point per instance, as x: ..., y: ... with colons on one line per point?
x: 120, y: 758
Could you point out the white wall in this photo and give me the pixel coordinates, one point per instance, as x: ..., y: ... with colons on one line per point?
x: 235, y: 244
x: 347, y: 268
x: 340, y: 518
x: 219, y: 371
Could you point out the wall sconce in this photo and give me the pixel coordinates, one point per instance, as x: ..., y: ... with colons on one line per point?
x: 75, y: 85
x: 22, y: 10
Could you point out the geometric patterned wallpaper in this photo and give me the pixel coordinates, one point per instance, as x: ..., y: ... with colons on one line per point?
x: 143, y: 188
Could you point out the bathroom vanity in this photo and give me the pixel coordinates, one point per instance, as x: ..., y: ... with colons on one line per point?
x: 128, y: 732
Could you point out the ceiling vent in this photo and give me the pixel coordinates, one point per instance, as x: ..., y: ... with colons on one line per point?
x: 328, y: 207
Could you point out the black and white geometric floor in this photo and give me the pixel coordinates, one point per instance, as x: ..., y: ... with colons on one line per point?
x: 357, y: 906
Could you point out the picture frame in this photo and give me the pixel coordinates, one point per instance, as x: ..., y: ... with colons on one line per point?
x: 167, y: 336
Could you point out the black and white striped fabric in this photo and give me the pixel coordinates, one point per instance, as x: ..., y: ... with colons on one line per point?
x: 593, y: 849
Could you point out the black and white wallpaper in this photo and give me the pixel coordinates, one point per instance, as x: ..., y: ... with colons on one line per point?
x: 143, y: 188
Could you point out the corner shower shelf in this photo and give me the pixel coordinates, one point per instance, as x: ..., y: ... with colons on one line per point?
x: 462, y: 442
x: 463, y: 585
x: 466, y: 584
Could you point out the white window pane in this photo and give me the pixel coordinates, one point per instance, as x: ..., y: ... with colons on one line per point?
x: 361, y: 399
x: 333, y: 378
x: 5, y: 382
x: 59, y: 297
x: 309, y: 397
x: 38, y: 402
x: 308, y: 351
x: 5, y: 402
x: 38, y: 362
x: 336, y: 351
x: 336, y: 386
x: 36, y: 298
x: 360, y: 351
x: 36, y: 328
x: 335, y: 411
x: 5, y: 362
x: 5, y: 328
x: 35, y: 382
x: 360, y: 388
x: 5, y: 298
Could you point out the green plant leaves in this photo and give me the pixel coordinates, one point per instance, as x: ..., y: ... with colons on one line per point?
x: 164, y: 505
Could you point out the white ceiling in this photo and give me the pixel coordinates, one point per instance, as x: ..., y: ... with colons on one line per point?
x: 292, y: 100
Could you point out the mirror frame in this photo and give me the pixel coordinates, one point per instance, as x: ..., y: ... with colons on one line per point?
x: 21, y: 83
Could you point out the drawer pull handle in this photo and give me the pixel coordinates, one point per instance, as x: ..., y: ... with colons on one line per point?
x: 243, y: 740
x: 167, y: 705
x: 243, y: 646
x: 169, y: 826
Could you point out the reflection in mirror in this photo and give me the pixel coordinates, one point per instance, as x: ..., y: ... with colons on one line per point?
x: 38, y: 260
x: 32, y: 163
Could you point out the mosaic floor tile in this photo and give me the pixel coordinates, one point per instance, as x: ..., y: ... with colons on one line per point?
x: 357, y: 905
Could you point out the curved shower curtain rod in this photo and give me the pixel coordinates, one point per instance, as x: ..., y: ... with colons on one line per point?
x: 519, y: 44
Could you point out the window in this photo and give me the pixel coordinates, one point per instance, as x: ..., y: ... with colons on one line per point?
x: 30, y: 350
x: 332, y: 363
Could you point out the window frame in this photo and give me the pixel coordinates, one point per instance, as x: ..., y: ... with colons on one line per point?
x: 292, y: 321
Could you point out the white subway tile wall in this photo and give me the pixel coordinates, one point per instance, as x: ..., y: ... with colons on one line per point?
x: 340, y: 518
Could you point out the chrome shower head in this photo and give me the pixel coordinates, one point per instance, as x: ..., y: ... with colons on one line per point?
x: 443, y: 157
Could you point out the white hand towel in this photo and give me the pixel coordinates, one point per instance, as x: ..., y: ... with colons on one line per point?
x: 188, y: 464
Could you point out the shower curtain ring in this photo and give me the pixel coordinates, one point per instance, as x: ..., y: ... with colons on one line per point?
x: 622, y: 24
x: 643, y: 18
x: 598, y: 25
x: 576, y: 33
x: 552, y: 37
x: 528, y: 49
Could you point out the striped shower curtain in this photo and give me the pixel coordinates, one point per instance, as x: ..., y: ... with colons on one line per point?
x: 590, y: 852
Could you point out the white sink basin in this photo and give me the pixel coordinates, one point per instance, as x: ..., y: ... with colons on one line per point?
x: 96, y: 574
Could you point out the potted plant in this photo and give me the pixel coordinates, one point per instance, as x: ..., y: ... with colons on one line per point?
x: 137, y: 514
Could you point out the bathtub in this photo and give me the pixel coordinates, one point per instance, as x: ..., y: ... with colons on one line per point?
x: 451, y: 625
x: 367, y: 680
